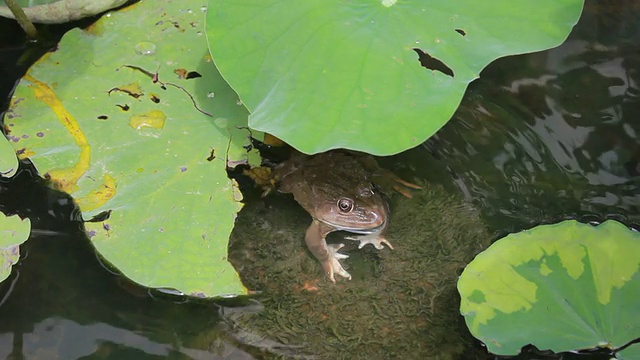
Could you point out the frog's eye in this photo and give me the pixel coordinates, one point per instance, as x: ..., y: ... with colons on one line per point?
x: 345, y: 205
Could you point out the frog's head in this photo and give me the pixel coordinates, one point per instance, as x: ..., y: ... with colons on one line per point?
x: 363, y: 211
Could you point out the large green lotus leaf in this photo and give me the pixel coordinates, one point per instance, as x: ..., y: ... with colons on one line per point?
x: 132, y: 117
x: 13, y: 232
x: 562, y: 287
x: 323, y: 74
x: 630, y: 353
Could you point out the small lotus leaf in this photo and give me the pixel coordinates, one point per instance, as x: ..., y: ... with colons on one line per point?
x: 13, y: 232
x: 562, y: 287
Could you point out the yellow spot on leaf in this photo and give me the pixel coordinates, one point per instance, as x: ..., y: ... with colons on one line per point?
x: 133, y: 89
x: 64, y: 179
x: 237, y: 195
x: 98, y: 197
x: 153, y: 119
x: 95, y: 29
x: 27, y: 153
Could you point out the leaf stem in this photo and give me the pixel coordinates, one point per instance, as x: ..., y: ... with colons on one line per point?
x: 22, y: 19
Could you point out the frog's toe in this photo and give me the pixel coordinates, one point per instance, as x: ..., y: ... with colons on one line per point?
x: 376, y: 241
x: 406, y: 183
x: 332, y: 265
x: 334, y: 248
x: 390, y: 181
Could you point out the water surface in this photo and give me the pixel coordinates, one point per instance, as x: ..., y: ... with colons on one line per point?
x: 539, y: 138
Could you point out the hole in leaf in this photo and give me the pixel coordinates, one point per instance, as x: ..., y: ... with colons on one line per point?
x: 184, y: 74
x: 193, y: 75
x: 461, y: 32
x: 432, y: 63
x: 105, y: 215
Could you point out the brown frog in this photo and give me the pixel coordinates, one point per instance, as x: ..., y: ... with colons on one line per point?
x: 337, y: 190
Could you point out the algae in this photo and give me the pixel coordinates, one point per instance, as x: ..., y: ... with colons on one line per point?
x: 400, y: 303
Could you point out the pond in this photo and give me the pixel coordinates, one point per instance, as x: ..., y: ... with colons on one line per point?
x: 539, y: 138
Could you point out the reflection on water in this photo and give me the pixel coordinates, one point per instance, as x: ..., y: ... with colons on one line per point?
x: 540, y: 137
x: 61, y: 303
x: 57, y: 338
x: 554, y: 134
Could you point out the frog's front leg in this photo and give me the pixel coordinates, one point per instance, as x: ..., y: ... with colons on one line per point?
x: 328, y: 256
x: 377, y: 240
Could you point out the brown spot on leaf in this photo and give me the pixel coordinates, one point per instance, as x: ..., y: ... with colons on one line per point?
x: 132, y: 90
x: 212, y: 155
x: 144, y: 71
x: 182, y: 73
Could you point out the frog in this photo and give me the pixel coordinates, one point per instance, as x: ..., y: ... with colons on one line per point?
x: 337, y: 189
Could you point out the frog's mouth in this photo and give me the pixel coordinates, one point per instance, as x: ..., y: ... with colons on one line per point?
x: 363, y: 231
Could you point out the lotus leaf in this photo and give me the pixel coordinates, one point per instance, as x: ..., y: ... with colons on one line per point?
x: 133, y: 120
x: 562, y: 287
x: 8, y: 159
x: 13, y: 232
x: 347, y: 74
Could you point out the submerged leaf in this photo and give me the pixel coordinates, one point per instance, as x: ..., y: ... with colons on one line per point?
x: 61, y: 11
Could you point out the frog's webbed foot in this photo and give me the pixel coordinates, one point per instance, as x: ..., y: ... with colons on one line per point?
x: 388, y: 180
x: 332, y: 265
x: 403, y: 187
x: 376, y: 240
x: 384, y: 178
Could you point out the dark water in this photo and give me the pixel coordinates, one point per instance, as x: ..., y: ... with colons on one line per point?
x: 540, y: 138
x: 551, y: 135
